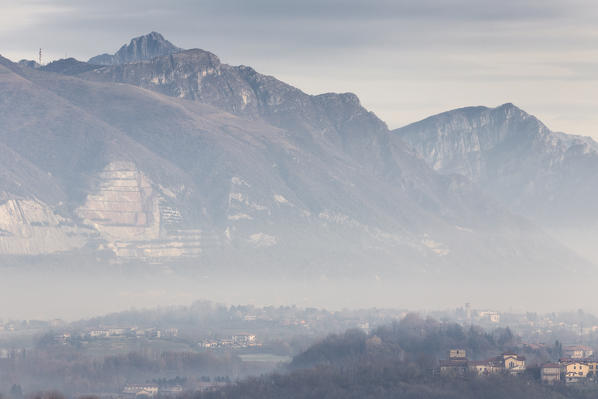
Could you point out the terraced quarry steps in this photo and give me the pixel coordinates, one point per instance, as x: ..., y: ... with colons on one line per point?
x: 131, y: 215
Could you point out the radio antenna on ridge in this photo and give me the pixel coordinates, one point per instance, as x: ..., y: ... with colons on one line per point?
x: 40, y: 56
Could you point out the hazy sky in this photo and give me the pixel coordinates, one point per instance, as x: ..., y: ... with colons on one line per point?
x: 405, y: 59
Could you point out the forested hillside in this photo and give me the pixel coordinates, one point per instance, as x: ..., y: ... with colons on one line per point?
x: 400, y: 361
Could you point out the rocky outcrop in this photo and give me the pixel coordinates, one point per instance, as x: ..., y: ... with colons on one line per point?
x: 30, y: 227
x: 140, y: 48
x: 199, y: 75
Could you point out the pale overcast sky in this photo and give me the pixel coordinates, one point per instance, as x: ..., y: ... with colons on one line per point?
x: 405, y: 59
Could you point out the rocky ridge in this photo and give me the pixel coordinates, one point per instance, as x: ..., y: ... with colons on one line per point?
x: 214, y: 156
x: 139, y: 48
x: 547, y: 176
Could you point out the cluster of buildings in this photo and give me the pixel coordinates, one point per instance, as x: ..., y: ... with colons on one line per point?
x: 150, y: 390
x: 12, y: 353
x: 117, y: 332
x: 467, y: 314
x: 459, y: 365
x: 23, y: 325
x: 578, y: 366
x: 147, y: 332
x: 7, y: 327
x: 238, y: 341
x: 532, y: 326
x: 491, y: 316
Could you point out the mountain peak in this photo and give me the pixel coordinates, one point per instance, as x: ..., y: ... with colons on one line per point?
x: 507, y: 106
x: 140, y: 48
x: 510, y: 109
x: 483, y: 143
x: 153, y: 34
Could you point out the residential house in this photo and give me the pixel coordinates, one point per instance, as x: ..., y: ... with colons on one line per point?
x: 208, y: 344
x: 62, y: 338
x: 575, y: 371
x: 593, y: 366
x: 244, y: 339
x: 171, y: 390
x: 99, y: 333
x: 578, y: 352
x: 457, y: 354
x: 453, y: 367
x: 456, y: 365
x: 507, y: 362
x: 170, y: 332
x: 512, y: 362
x: 117, y: 331
x: 484, y: 367
x: 550, y: 373
x: 493, y: 317
x: 141, y: 389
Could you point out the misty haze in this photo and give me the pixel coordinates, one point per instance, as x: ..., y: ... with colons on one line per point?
x: 250, y: 200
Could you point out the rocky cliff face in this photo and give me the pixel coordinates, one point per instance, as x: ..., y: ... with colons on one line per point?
x: 515, y: 158
x: 200, y: 76
x: 335, y: 121
x: 140, y: 48
x: 29, y: 227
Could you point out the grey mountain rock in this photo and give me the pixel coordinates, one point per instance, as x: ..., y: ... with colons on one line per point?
x: 548, y: 176
x: 336, y: 119
x: 140, y: 48
x: 190, y: 155
x: 200, y: 76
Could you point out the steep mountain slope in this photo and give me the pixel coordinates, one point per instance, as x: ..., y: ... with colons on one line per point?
x: 249, y: 174
x: 66, y: 146
x: 139, y: 48
x: 231, y: 162
x: 200, y: 76
x: 331, y: 122
x: 550, y: 177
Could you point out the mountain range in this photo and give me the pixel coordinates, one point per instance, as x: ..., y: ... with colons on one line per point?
x: 162, y: 155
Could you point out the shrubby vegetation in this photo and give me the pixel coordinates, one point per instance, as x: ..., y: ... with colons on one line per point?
x: 71, y: 372
x: 388, y: 380
x: 414, y: 340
